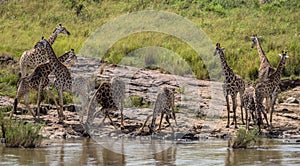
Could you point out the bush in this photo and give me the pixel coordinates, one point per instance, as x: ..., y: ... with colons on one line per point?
x: 245, y: 138
x: 20, y: 134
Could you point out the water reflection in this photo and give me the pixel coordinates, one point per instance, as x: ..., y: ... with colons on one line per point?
x: 91, y: 152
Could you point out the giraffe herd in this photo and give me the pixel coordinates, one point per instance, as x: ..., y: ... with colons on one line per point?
x: 111, y: 94
x: 252, y: 97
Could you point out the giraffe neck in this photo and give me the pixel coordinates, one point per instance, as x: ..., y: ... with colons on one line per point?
x: 277, y: 74
x: 262, y: 56
x: 227, y: 71
x: 51, y: 55
x: 52, y: 37
x: 64, y: 57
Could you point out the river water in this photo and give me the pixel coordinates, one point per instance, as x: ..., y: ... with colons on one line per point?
x: 149, y: 152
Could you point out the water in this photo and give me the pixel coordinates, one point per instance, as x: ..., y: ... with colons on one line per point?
x: 149, y: 152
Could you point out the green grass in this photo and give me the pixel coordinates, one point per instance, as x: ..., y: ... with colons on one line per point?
x: 20, y: 134
x: 22, y: 23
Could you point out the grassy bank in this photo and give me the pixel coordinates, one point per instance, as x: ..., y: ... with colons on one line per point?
x: 22, y: 23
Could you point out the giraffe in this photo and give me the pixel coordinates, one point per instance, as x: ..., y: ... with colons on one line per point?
x: 232, y: 85
x: 63, y: 79
x: 110, y: 95
x: 38, y: 80
x: 164, y: 104
x: 68, y: 58
x: 249, y: 104
x: 265, y: 67
x: 269, y: 88
x: 31, y: 58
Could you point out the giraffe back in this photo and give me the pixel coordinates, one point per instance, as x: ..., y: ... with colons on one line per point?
x: 104, y: 95
x: 248, y: 99
x: 118, y: 91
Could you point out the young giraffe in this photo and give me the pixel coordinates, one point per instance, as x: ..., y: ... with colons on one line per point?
x: 38, y: 80
x: 32, y: 58
x: 164, y: 104
x: 63, y: 80
x: 232, y: 85
x: 249, y: 104
x: 110, y: 95
x: 269, y: 88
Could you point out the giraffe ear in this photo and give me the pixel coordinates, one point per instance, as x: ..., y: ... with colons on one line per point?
x: 222, y: 49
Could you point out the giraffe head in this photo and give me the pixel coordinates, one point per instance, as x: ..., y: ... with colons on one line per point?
x: 218, y: 49
x: 254, y: 39
x: 283, y: 55
x: 61, y: 29
x: 42, y: 44
x: 71, y: 58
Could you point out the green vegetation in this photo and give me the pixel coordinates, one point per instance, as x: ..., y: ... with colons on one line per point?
x: 22, y: 23
x: 18, y: 133
x: 245, y: 138
x: 138, y: 101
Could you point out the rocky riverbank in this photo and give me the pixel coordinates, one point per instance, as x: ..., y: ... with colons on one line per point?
x: 200, y: 107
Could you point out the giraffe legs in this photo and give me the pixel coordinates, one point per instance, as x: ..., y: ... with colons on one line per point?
x: 52, y: 96
x: 268, y: 101
x: 234, y: 110
x: 39, y: 100
x: 247, y: 119
x: 242, y: 105
x: 122, y: 118
x: 161, y: 117
x: 144, y: 124
x: 228, y: 111
x: 61, y: 105
x: 273, y: 100
x: 18, y: 98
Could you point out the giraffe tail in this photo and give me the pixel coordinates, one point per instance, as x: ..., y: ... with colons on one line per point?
x: 19, y: 79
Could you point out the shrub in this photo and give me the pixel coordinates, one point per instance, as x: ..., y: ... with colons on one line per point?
x: 18, y: 133
x: 245, y: 138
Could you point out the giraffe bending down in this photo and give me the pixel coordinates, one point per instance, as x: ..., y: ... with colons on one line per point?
x: 38, y: 80
x: 232, y: 85
x: 32, y: 58
x: 63, y: 79
x: 110, y: 95
x: 269, y: 88
x: 164, y: 104
x: 249, y: 104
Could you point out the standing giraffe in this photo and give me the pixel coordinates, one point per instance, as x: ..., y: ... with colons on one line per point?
x: 38, y: 80
x: 32, y: 58
x: 265, y: 67
x: 249, y: 104
x: 232, y: 85
x: 63, y: 80
x: 110, y: 95
x: 269, y: 88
